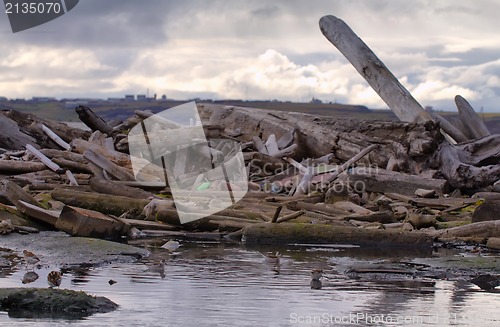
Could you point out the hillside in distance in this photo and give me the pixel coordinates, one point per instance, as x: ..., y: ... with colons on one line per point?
x: 110, y: 111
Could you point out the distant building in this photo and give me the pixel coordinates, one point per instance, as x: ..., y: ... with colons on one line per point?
x: 43, y: 99
x: 74, y: 104
x: 3, y: 99
x: 130, y: 97
x: 115, y: 100
x: 164, y: 98
x: 141, y: 97
x: 316, y: 101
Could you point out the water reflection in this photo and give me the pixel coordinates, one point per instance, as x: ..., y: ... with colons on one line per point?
x: 222, y: 284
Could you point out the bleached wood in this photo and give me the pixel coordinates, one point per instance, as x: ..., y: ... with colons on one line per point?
x: 44, y: 159
x: 107, y: 165
x: 373, y: 70
x: 54, y: 137
x: 71, y: 178
x: 272, y: 146
x: 474, y: 126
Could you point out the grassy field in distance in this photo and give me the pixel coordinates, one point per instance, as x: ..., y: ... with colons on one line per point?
x: 56, y: 110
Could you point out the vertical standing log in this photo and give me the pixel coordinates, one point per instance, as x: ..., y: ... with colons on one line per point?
x: 474, y: 126
x: 373, y: 70
x: 94, y: 122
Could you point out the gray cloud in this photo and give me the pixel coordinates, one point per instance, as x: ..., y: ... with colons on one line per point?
x: 220, y: 49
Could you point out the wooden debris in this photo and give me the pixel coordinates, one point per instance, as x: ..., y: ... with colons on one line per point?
x: 89, y: 223
x: 63, y: 144
x: 11, y: 193
x: 46, y: 161
x: 47, y: 216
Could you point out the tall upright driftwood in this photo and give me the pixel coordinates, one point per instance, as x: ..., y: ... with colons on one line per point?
x: 373, y: 70
x: 472, y: 123
x: 94, y: 122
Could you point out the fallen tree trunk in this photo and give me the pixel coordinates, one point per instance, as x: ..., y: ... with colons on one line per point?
x: 114, y: 188
x: 64, y: 131
x: 481, y: 229
x: 317, y: 136
x: 12, y: 138
x: 385, y: 181
x: 105, y: 203
x: 11, y: 193
x: 266, y: 233
x: 89, y: 223
x: 20, y: 167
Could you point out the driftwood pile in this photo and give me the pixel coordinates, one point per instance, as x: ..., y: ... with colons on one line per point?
x: 310, y: 178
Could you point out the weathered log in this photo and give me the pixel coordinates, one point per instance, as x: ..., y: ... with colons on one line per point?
x: 482, y: 152
x: 105, y: 203
x: 481, y: 229
x: 462, y: 175
x: 265, y: 233
x: 46, y: 161
x: 441, y: 203
x: 451, y: 130
x: 384, y: 217
x: 474, y: 126
x: 351, y: 161
x: 114, y: 188
x: 382, y: 181
x: 11, y: 193
x: 12, y: 138
x: 89, y: 223
x: 317, y: 136
x: 20, y: 167
x: 493, y: 243
x: 71, y: 178
x: 54, y: 137
x: 291, y: 216
x: 109, y: 166
x: 373, y: 70
x: 320, y: 208
x: 67, y: 133
x: 94, y: 122
x: 47, y: 216
x: 146, y: 224
x: 72, y: 165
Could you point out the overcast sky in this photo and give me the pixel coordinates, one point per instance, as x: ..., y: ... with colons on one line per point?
x: 255, y: 50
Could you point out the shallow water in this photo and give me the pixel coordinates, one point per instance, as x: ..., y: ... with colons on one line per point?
x: 213, y: 284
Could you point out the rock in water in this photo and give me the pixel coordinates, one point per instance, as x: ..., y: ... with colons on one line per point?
x: 53, y: 303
